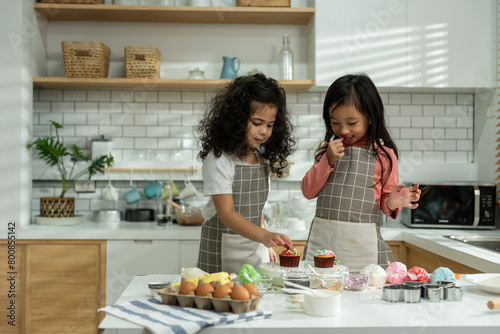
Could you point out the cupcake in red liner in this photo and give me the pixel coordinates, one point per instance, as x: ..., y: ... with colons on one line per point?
x: 289, y: 258
x: 324, y: 258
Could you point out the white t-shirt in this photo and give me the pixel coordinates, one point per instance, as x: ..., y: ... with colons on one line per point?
x: 218, y: 176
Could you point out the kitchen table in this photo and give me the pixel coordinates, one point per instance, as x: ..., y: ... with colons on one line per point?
x: 362, y: 312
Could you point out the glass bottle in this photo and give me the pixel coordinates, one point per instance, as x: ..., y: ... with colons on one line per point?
x: 286, y: 60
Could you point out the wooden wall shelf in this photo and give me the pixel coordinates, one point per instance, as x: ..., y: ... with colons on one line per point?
x: 176, y: 14
x: 151, y: 84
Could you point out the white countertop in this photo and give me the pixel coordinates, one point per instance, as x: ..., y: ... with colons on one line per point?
x: 429, y: 239
x: 362, y: 312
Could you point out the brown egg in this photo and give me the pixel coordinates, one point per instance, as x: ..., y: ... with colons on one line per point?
x: 252, y: 289
x: 204, y: 289
x: 230, y: 285
x: 222, y: 291
x: 240, y: 293
x: 187, y: 287
x: 213, y: 283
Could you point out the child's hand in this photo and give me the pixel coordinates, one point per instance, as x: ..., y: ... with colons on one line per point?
x: 335, y: 150
x: 277, y: 239
x: 272, y: 255
x: 402, y: 197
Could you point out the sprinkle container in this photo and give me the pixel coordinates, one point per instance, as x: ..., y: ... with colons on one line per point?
x: 357, y: 280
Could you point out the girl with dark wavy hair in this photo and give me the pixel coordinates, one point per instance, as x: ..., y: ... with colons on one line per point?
x: 245, y: 133
x: 355, y: 177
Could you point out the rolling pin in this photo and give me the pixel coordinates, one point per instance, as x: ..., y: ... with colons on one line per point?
x: 494, y: 304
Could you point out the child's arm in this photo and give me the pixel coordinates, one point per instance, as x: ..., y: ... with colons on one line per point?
x: 224, y: 206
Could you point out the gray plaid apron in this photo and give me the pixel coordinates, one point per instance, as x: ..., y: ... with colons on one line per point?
x: 250, y: 190
x: 348, y: 211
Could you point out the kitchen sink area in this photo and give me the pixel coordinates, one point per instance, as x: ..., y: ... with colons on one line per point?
x: 488, y: 242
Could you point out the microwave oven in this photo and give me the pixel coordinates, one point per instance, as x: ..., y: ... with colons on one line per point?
x: 467, y: 206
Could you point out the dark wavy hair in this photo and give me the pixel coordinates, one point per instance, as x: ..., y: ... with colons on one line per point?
x: 359, y: 91
x: 223, y: 126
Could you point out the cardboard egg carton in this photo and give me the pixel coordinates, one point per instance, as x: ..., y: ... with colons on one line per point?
x: 171, y: 296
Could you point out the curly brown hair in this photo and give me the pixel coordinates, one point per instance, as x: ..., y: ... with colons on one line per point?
x: 223, y: 126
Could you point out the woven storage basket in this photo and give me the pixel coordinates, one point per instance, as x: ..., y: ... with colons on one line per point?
x: 85, y: 59
x: 264, y: 3
x: 142, y: 62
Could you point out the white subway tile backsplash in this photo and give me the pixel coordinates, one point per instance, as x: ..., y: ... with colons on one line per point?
x: 146, y: 143
x: 299, y: 109
x: 146, y: 96
x: 122, y: 119
x: 309, y: 120
x: 422, y: 98
x: 145, y: 119
x: 445, y: 145
x: 74, y: 95
x: 434, y: 157
x: 99, y: 119
x: 316, y: 109
x: 161, y: 126
x: 75, y: 119
x: 50, y: 95
x: 63, y: 107
x: 86, y: 107
x: 134, y: 108
x: 134, y: 131
x: 395, y: 98
x: 122, y: 96
x: 411, y: 110
x: 189, y: 97
x: 179, y: 108
x: 99, y: 95
x: 110, y: 107
x: 445, y: 99
x: 190, y: 120
x: 170, y: 96
x: 87, y: 131
x: 467, y: 99
x: 312, y: 98
x: 169, y: 143
x: 434, y: 110
x: 399, y: 121
x: 456, y: 134
x: 46, y: 118
x: 422, y: 122
x: 411, y: 133
x: 157, y: 108
x: 157, y: 131
x: 169, y: 119
x: 458, y: 157
x: 41, y: 107
x: 392, y: 110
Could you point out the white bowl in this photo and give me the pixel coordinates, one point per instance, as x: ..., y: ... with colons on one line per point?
x: 325, y: 304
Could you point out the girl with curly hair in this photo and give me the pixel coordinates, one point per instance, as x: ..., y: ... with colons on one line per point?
x: 245, y: 133
x: 355, y: 177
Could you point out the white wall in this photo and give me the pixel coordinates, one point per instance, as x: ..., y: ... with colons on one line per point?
x: 16, y: 21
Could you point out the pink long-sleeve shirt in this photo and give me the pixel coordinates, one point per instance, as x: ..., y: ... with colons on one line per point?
x: 316, y: 177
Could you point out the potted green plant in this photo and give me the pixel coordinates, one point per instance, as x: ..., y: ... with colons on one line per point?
x: 51, y: 150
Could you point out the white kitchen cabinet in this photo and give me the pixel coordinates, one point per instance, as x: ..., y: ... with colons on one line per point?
x: 402, y: 43
x: 188, y: 253
x: 361, y: 36
x: 451, y: 43
x: 128, y: 258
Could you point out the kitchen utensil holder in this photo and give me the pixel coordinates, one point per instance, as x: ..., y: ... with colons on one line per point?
x: 85, y: 59
x: 142, y: 62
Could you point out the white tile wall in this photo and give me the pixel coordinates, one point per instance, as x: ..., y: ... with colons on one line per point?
x: 427, y: 128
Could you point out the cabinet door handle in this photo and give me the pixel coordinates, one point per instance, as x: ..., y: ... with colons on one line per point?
x: 149, y: 242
